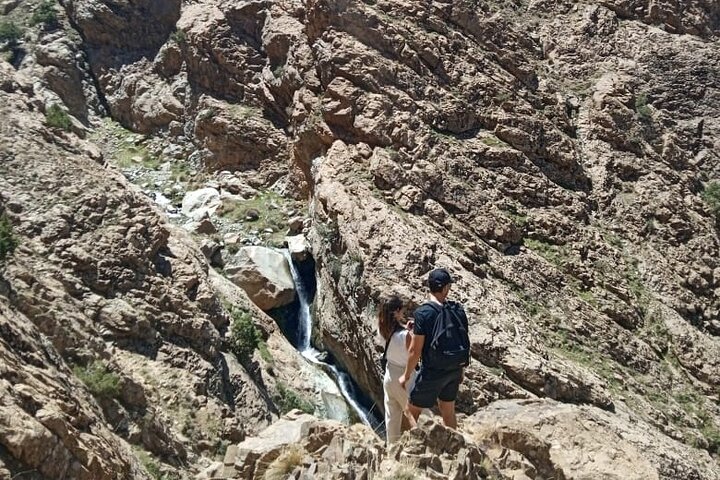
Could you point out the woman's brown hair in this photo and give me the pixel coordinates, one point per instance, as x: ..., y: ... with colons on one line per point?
x: 386, y: 320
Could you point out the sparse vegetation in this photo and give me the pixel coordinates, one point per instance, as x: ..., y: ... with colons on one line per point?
x: 100, y: 381
x: 287, y: 399
x: 265, y: 353
x: 492, y: 141
x: 245, y: 336
x: 8, y: 241
x: 152, y: 466
x: 127, y: 149
x: 404, y: 472
x: 179, y: 37
x: 552, y: 253
x: 641, y: 107
x: 711, y: 196
x: 240, y: 111
x: 519, y: 219
x: 285, y: 464
x: 10, y: 33
x: 502, y: 97
x: 179, y: 172
x: 45, y: 15
x: 262, y: 212
x: 56, y: 117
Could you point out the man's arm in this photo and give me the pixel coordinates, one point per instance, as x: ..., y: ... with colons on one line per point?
x: 414, y: 353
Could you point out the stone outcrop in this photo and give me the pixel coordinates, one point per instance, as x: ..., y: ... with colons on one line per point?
x: 265, y: 276
x: 565, y: 441
x: 302, y: 445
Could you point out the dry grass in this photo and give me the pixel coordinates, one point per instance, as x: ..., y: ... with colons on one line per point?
x: 285, y: 464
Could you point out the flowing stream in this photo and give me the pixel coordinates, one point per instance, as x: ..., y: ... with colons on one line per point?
x: 342, y: 379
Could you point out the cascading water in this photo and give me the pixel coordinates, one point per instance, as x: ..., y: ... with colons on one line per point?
x: 342, y: 379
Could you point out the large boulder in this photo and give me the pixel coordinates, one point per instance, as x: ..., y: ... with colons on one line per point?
x: 265, y: 275
x: 199, y: 203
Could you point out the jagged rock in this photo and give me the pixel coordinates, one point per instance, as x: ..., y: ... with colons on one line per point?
x: 213, y: 252
x: 439, y: 453
x: 264, y: 274
x: 298, y: 247
x: 583, y: 442
x: 295, y: 226
x: 325, y: 450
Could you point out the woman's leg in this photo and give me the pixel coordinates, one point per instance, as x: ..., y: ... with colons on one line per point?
x: 393, y: 413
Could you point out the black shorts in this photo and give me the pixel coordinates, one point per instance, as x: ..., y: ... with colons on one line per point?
x: 434, y: 385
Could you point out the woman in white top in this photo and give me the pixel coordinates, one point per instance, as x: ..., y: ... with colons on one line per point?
x: 397, y: 333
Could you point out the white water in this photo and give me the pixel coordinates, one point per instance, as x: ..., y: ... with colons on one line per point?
x: 305, y: 333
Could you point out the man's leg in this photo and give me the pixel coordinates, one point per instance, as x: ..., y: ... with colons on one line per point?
x: 447, y: 410
x: 447, y: 396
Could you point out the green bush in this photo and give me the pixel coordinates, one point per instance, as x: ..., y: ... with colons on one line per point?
x: 286, y: 399
x: 56, y: 117
x: 101, y: 382
x: 9, y: 32
x: 8, y: 242
x: 178, y: 36
x: 641, y: 107
x: 244, y: 335
x: 45, y: 15
x: 711, y: 195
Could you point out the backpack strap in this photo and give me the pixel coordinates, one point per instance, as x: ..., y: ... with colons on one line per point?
x: 438, y: 329
x: 387, y: 345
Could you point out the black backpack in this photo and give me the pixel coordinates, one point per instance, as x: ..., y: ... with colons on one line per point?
x: 449, y: 347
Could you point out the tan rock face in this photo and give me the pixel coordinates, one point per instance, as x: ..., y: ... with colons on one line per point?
x: 554, y: 155
x: 49, y: 425
x: 100, y: 278
x: 581, y: 442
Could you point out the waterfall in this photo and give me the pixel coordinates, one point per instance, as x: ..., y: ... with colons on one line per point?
x: 342, y: 379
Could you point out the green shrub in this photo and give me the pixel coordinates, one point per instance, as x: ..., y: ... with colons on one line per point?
x: 286, y: 399
x: 10, y: 33
x: 711, y: 196
x: 641, y: 107
x: 244, y: 335
x: 101, y: 382
x: 56, y: 117
x: 712, y: 435
x: 46, y: 15
x: 178, y: 36
x: 8, y: 241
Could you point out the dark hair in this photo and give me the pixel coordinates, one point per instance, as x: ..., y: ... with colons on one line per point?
x: 386, y: 320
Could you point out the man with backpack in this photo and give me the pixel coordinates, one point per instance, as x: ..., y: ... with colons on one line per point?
x: 441, y: 338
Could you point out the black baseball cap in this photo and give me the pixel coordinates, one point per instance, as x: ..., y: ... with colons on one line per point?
x: 438, y: 278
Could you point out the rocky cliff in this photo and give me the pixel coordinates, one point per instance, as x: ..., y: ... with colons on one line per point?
x: 561, y: 158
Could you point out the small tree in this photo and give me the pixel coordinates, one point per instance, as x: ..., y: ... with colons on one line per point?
x: 244, y: 335
x: 101, y: 382
x: 46, y: 15
x: 56, y: 117
x: 8, y: 242
x: 9, y: 33
x: 711, y: 196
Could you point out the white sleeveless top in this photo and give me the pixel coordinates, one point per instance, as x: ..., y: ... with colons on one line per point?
x: 397, y: 354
